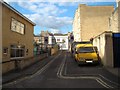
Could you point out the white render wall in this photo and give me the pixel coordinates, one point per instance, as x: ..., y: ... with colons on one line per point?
x: 77, y: 26
x: 105, y: 48
x: 63, y: 46
x: 117, y: 2
x: 50, y: 40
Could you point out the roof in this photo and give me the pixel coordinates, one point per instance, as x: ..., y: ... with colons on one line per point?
x: 46, y: 33
x: 17, y: 12
x: 50, y: 34
x: 102, y: 33
x: 82, y: 42
x: 59, y: 34
x: 36, y: 35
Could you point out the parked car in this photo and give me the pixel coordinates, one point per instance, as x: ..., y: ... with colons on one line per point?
x: 86, y: 53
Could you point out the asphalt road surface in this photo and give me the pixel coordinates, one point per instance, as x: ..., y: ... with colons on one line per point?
x: 63, y: 72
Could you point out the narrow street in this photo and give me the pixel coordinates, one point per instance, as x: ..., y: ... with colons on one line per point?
x: 63, y: 72
x: 44, y: 43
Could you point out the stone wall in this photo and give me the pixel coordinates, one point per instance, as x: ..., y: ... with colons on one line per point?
x: 21, y: 64
x: 104, y: 44
x: 54, y: 50
x: 90, y: 21
x: 94, y: 20
x: 6, y: 67
x: 119, y: 17
x: 10, y: 37
x: 113, y: 21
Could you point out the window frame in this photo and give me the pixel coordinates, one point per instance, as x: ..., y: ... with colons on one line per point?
x: 5, y: 50
x: 21, y: 49
x: 86, y: 50
x: 18, y: 25
x: 58, y: 39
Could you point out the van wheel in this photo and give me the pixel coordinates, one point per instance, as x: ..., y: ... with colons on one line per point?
x: 79, y: 65
x: 100, y: 63
x: 75, y: 60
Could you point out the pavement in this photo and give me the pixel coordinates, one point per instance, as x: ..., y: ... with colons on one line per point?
x: 115, y: 71
x: 16, y: 74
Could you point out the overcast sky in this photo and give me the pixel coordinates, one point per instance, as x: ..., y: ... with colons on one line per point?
x: 53, y: 15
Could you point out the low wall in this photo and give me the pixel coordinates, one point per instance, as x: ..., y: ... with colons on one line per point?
x: 105, y: 48
x: 54, y: 50
x: 8, y: 66
x: 20, y: 64
x: 27, y: 62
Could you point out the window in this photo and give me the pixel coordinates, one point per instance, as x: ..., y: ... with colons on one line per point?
x: 39, y: 40
x: 17, y: 51
x: 17, y: 26
x: 46, y: 40
x: 5, y: 50
x: 85, y: 50
x: 58, y: 40
x: 72, y: 37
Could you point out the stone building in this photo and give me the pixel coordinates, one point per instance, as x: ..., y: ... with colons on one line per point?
x: 44, y: 41
x: 117, y: 2
x: 113, y: 21
x: 70, y: 40
x: 17, y: 37
x: 47, y: 38
x: 62, y: 41
x: 108, y: 42
x: 90, y: 21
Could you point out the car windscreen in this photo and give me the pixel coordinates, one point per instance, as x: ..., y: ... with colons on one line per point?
x: 85, y: 50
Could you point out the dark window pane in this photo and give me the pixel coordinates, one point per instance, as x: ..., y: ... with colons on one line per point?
x: 17, y: 52
x: 58, y: 39
x: 12, y: 53
x: 22, y: 53
x: 5, y: 50
x: 85, y: 49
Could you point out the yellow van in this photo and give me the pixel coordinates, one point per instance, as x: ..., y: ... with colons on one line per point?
x: 86, y: 53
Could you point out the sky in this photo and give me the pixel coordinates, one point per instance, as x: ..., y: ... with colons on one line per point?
x: 55, y: 16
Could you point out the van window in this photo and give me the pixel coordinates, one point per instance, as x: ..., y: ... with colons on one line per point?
x: 85, y: 50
